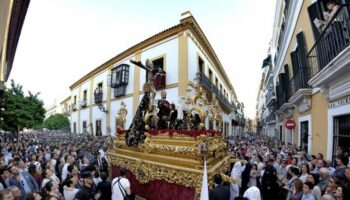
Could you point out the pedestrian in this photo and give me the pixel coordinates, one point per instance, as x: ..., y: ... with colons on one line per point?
x: 269, y: 178
x: 87, y: 192
x: 104, y: 187
x: 121, y: 186
x: 219, y: 192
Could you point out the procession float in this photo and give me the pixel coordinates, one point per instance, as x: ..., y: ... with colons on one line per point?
x: 165, y: 146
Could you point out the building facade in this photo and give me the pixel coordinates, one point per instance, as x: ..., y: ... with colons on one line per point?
x: 12, y: 15
x: 311, y: 70
x: 184, y: 55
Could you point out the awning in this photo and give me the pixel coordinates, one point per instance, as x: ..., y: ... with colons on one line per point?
x: 266, y: 61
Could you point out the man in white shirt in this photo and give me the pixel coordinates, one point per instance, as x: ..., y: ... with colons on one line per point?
x: 120, y: 186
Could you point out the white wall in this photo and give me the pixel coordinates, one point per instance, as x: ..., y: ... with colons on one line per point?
x: 74, y: 118
x: 85, y: 86
x: 115, y: 106
x: 170, y: 49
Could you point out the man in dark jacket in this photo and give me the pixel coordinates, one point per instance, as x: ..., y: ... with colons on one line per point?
x: 104, y: 187
x: 268, y: 182
x: 87, y: 192
x: 219, y: 192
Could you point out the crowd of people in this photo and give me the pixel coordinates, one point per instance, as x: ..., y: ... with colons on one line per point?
x: 270, y: 169
x: 53, y: 166
x: 60, y: 166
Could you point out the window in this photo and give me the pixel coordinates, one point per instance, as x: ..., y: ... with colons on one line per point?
x: 158, y: 63
x: 98, y: 128
x: 85, y: 95
x: 120, y: 75
x: 98, y: 93
x: 221, y: 88
x: 74, y: 127
x: 210, y: 75
x: 99, y: 86
x: 216, y: 82
x: 84, y: 127
x: 75, y: 99
x: 120, y: 79
x: 200, y: 65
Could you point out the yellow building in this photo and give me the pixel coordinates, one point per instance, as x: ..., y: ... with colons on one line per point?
x: 12, y: 15
x: 309, y: 57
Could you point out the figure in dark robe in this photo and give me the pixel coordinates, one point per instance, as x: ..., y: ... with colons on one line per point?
x: 164, y: 111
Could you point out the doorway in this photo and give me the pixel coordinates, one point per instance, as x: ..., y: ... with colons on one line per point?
x: 304, y: 135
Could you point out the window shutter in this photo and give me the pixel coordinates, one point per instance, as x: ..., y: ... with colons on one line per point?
x: 314, y: 12
x: 286, y: 72
x: 304, y: 75
x: 295, y: 64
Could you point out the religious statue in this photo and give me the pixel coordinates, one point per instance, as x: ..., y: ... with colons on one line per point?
x: 164, y: 111
x: 173, y: 117
x: 160, y: 79
x: 121, y: 119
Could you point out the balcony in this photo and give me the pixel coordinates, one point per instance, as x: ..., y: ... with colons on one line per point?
x: 74, y: 107
x: 270, y: 97
x: 271, y: 118
x: 206, y: 83
x: 329, y: 56
x: 98, y: 96
x: 83, y: 103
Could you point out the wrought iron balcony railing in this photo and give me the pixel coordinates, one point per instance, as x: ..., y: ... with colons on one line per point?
x: 270, y: 96
x: 333, y: 39
x: 98, y: 96
x: 270, y: 118
x: 206, y: 82
x: 298, y: 81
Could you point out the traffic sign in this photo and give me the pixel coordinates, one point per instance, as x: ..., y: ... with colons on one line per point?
x: 290, y: 124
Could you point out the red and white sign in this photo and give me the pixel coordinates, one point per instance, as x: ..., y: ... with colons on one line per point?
x: 290, y: 124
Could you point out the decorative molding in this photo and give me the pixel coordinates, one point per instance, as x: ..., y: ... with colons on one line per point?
x: 304, y: 105
x: 300, y: 95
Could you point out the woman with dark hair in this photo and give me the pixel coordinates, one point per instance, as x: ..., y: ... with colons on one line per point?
x: 50, y: 190
x: 254, y: 176
x: 316, y: 191
x: 305, y: 171
x: 33, y: 196
x: 33, y: 171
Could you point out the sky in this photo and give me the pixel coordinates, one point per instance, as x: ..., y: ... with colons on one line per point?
x: 63, y: 40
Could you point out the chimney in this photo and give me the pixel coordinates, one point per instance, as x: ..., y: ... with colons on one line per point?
x: 186, y: 14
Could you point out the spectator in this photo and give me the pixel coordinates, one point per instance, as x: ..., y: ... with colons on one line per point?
x: 69, y: 190
x: 87, y: 191
x: 6, y: 195
x: 219, y: 192
x: 307, y: 189
x: 104, y: 187
x: 305, y: 172
x: 124, y: 189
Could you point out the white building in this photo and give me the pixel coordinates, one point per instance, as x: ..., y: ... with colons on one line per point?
x: 182, y: 51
